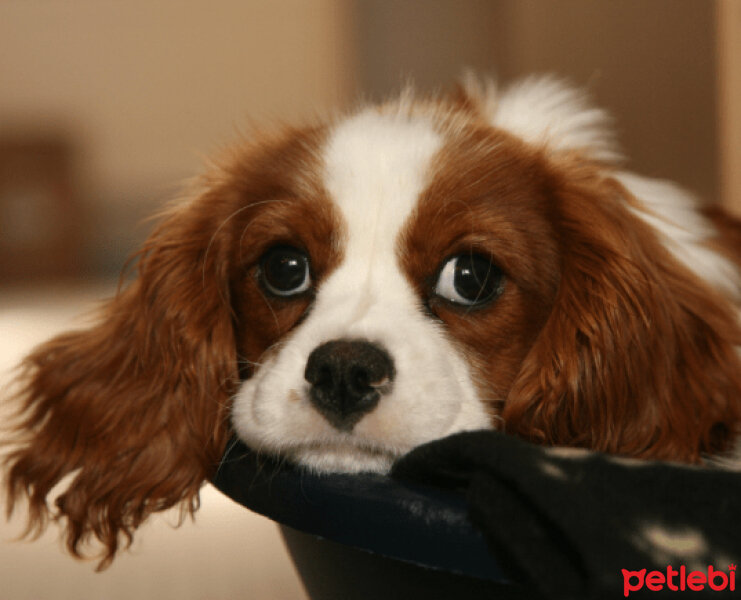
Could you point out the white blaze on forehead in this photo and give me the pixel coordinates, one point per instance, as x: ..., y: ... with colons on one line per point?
x: 376, y: 166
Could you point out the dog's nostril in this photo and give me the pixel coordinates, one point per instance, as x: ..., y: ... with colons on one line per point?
x: 347, y: 379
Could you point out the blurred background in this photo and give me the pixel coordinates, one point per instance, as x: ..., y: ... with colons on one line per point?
x: 107, y: 107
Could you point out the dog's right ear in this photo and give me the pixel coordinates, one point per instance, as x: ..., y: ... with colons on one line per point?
x: 134, y: 410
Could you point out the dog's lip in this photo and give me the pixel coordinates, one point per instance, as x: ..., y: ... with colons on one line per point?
x: 339, y: 446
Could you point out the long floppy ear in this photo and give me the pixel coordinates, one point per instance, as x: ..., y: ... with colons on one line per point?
x: 134, y: 409
x: 639, y: 356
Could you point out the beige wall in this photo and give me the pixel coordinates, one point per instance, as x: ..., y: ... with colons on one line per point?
x: 145, y: 88
x: 729, y: 101
x: 650, y: 62
x: 427, y: 42
x: 149, y: 85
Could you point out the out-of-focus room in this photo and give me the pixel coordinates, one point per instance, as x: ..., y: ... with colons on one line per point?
x: 108, y: 108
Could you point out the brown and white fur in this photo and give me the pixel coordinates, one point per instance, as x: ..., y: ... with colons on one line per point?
x: 614, y: 324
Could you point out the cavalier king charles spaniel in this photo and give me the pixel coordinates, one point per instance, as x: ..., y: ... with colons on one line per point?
x: 341, y: 293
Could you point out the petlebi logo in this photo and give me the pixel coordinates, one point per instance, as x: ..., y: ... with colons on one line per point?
x: 680, y: 580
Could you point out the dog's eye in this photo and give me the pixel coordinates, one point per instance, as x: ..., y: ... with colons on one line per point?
x: 469, y: 279
x: 284, y: 271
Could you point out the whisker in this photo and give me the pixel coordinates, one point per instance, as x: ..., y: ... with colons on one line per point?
x: 223, y: 460
x: 213, y: 238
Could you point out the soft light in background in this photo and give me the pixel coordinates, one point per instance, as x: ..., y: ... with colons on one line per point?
x: 106, y: 107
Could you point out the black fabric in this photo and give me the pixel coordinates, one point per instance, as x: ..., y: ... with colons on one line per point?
x: 375, y: 513
x: 569, y: 521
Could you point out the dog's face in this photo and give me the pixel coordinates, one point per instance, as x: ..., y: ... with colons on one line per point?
x: 399, y: 284
x: 342, y: 293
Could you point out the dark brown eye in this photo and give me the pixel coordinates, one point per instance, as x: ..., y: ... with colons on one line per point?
x: 284, y: 271
x: 469, y: 280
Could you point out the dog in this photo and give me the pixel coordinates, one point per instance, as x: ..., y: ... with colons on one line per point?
x: 340, y: 293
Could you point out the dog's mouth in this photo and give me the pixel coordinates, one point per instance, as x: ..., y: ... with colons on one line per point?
x: 341, y: 456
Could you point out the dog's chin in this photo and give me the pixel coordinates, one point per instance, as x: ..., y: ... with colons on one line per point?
x: 341, y: 458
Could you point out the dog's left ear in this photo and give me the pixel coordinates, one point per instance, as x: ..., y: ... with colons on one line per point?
x: 133, y: 411
x: 639, y: 355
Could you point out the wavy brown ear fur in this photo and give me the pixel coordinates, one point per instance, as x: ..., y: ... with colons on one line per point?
x: 639, y: 355
x: 134, y: 409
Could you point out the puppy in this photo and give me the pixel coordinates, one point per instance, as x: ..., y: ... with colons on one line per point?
x: 340, y: 293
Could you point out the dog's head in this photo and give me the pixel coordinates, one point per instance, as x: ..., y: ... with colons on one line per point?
x: 342, y: 293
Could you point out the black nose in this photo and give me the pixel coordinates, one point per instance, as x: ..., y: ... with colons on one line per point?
x: 347, y: 379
